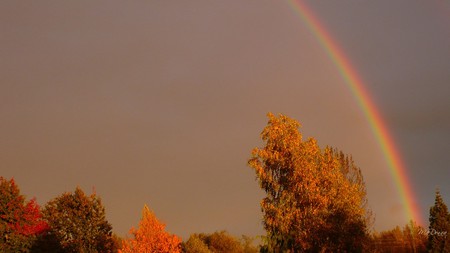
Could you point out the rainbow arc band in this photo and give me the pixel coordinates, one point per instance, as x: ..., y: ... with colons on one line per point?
x: 356, y: 85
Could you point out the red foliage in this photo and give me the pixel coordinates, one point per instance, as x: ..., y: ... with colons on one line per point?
x: 29, y: 220
x: 22, y: 218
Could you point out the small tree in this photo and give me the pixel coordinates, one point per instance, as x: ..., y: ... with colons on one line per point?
x: 20, y: 221
x: 150, y: 237
x: 439, y: 229
x: 223, y: 242
x: 77, y: 224
x: 195, y: 244
x: 219, y: 242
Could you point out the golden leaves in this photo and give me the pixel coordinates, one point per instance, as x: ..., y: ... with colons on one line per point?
x: 306, y: 186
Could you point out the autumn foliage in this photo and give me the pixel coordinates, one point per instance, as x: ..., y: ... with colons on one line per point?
x: 412, y: 238
x: 77, y: 224
x: 20, y: 221
x: 316, y: 199
x: 219, y: 242
x: 151, y: 237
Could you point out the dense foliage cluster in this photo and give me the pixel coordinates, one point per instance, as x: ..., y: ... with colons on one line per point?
x: 316, y: 198
x: 77, y: 224
x: 218, y: 242
x: 151, y: 237
x: 20, y: 222
x: 439, y: 229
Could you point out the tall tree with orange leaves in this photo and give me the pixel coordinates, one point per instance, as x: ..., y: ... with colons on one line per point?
x: 313, y: 202
x: 151, y: 237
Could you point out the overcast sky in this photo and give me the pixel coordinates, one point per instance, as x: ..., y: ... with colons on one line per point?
x: 160, y: 102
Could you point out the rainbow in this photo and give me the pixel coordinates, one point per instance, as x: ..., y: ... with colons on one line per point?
x: 378, y: 126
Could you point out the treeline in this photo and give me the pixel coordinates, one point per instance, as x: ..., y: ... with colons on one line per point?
x: 76, y: 222
x: 315, y: 202
x: 414, y: 238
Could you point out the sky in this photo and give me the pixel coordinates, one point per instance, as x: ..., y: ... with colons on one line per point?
x: 161, y: 102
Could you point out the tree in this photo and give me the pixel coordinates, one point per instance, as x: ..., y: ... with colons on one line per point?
x: 77, y: 224
x: 353, y: 174
x: 20, y: 221
x: 222, y: 242
x: 195, y: 244
x: 316, y: 199
x: 218, y: 242
x: 248, y: 244
x: 415, y: 238
x: 150, y: 237
x: 344, y: 231
x: 438, y: 237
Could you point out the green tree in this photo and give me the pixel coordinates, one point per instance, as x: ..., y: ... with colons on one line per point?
x: 438, y: 237
x: 77, y: 224
x: 316, y: 199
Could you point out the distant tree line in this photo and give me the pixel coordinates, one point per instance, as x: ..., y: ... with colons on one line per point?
x: 76, y: 223
x: 71, y: 222
x: 315, y: 202
x: 414, y: 238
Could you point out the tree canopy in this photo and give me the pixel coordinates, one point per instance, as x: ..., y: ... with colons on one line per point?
x: 218, y: 242
x: 20, y: 221
x: 316, y: 198
x: 77, y: 224
x: 150, y: 237
x: 438, y: 237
